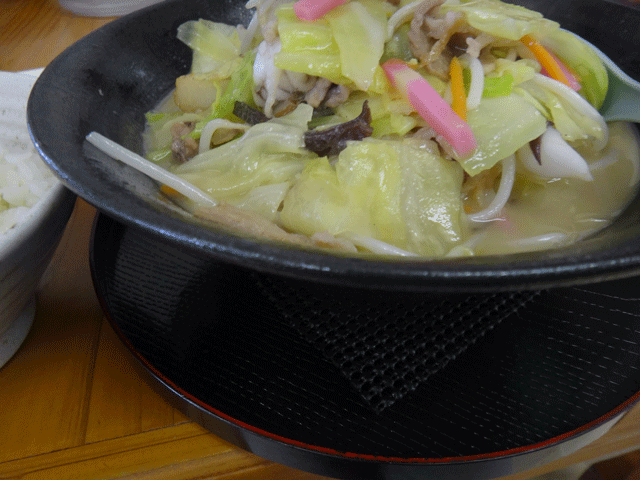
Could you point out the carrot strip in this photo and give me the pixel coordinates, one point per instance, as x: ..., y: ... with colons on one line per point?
x: 169, y: 191
x: 546, y: 60
x: 458, y: 94
x: 572, y: 78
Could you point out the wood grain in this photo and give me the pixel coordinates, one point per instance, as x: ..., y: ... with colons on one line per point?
x: 32, y: 33
x: 71, y: 404
x: 137, y: 407
x: 47, y: 399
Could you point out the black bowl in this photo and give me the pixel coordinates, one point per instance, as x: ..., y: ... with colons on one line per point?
x: 109, y: 79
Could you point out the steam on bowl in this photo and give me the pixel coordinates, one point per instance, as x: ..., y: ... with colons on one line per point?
x: 108, y: 81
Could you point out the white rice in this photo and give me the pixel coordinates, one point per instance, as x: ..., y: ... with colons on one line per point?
x: 24, y: 177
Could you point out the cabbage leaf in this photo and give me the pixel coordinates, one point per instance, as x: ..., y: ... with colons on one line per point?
x: 521, y: 70
x: 267, y: 153
x: 344, y: 46
x: 264, y: 200
x: 360, y: 34
x: 501, y: 126
x: 573, y: 124
x: 213, y: 43
x: 393, y: 191
x: 501, y: 19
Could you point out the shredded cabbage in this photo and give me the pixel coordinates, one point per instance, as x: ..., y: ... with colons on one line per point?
x: 501, y: 126
x: 392, y: 191
x: 572, y: 116
x: 501, y: 19
x: 270, y: 152
x: 345, y: 46
x: 212, y: 43
x: 359, y: 29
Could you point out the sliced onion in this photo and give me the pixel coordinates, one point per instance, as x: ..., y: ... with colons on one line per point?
x: 502, y: 196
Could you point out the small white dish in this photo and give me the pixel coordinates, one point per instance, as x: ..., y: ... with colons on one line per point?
x: 104, y: 8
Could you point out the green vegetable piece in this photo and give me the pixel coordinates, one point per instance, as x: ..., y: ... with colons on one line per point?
x: 572, y: 123
x: 160, y: 157
x: 493, y: 86
x: 389, y: 116
x: 521, y: 70
x: 307, y: 47
x: 398, y: 45
x: 297, y: 36
x: 239, y: 89
x: 212, y: 43
x: 498, y: 86
x: 264, y: 200
x: 360, y: 37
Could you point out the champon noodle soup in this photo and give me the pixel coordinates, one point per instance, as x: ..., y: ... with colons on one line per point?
x: 431, y: 128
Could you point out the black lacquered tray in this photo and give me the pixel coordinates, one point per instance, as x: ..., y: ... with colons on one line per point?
x: 359, y: 385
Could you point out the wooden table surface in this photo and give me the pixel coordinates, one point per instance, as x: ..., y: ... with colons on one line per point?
x: 71, y: 404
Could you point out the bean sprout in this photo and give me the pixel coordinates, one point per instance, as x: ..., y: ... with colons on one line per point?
x: 211, y: 127
x: 539, y: 242
x: 467, y: 248
x: 400, y: 16
x: 376, y: 246
x: 503, y: 194
x: 151, y: 170
x: 477, y: 83
x: 249, y: 34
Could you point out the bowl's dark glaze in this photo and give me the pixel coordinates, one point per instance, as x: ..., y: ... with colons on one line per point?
x: 108, y: 80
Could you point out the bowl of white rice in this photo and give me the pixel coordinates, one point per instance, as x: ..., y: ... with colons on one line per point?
x: 34, y: 210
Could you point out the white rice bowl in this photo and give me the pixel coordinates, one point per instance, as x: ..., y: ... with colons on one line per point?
x: 34, y: 210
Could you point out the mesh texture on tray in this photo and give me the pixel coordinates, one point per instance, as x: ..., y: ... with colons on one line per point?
x: 386, y: 346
